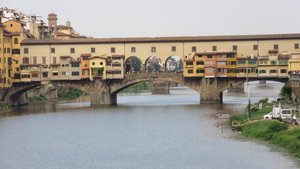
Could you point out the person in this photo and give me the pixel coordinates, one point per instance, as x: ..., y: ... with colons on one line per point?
x: 294, y: 119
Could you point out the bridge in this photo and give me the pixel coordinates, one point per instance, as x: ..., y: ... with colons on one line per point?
x: 104, y: 92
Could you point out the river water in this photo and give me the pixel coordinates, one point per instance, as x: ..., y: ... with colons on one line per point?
x: 143, y: 132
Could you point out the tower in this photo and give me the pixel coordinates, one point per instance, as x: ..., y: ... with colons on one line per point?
x: 52, y: 21
x: 68, y: 24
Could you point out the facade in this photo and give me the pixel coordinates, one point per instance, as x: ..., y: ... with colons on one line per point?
x: 210, y: 57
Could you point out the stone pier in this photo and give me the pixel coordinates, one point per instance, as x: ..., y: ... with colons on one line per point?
x: 100, y: 93
x: 209, y: 91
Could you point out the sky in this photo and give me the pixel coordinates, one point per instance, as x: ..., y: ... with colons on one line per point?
x: 152, y: 18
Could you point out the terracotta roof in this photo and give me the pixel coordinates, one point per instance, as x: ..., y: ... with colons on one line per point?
x: 165, y: 39
x: 63, y: 27
x: 52, y: 14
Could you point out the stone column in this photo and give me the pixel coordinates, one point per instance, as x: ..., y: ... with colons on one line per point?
x: 160, y: 87
x: 209, y: 92
x: 100, y: 93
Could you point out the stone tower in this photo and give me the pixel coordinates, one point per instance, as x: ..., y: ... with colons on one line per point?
x: 52, y: 21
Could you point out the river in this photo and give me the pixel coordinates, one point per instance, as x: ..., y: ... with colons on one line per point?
x: 143, y: 132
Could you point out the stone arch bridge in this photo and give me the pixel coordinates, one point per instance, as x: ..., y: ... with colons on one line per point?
x: 104, y: 92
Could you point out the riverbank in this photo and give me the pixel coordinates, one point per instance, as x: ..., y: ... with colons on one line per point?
x: 273, y: 131
x: 3, y: 106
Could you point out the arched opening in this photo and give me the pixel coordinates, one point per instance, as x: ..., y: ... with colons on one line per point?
x: 16, y: 40
x: 255, y: 91
x: 133, y: 64
x: 153, y: 64
x: 174, y: 64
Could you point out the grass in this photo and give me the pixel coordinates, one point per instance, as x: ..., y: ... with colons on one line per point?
x: 72, y: 94
x: 255, y: 112
x: 273, y: 131
x: 36, y: 98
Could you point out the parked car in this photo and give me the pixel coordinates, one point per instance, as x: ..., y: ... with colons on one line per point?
x: 269, y: 116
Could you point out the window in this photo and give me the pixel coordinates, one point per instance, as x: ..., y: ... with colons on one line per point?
x: 214, y: 48
x: 190, y: 71
x: 255, y: 47
x: 153, y: 49
x: 273, y: 71
x: 194, y: 48
x: 45, y: 74
x: 93, y: 50
x: 54, y: 60
x: 26, y: 50
x: 116, y: 65
x: 34, y: 60
x: 200, y: 63
x: 54, y: 73
x: 75, y: 64
x: 241, y: 62
x: 209, y: 56
x: 276, y: 47
x: 4, y: 50
x: 93, y: 63
x: 189, y: 63
x: 63, y: 73
x: 252, y: 61
x: 296, y: 45
x: 34, y: 75
x: 221, y: 70
x: 44, y: 60
x: 25, y: 60
x: 15, y: 51
x: 262, y: 71
x: 52, y: 50
x: 200, y: 71
x: 72, y: 50
x: 234, y: 47
x: 8, y: 50
x: 273, y: 62
x: 133, y: 50
x: 16, y: 40
x: 75, y: 73
x: 101, y: 63
x: 112, y: 50
x: 173, y: 49
x: 283, y: 71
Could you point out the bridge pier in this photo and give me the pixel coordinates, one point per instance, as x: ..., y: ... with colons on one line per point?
x: 100, y: 93
x: 209, y: 92
x: 160, y: 87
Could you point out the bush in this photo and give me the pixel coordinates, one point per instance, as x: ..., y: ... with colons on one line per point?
x: 72, y: 94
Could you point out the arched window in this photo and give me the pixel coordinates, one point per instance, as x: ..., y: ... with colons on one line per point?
x: 16, y: 41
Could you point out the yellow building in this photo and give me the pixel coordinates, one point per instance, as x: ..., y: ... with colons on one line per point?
x: 294, y: 63
x: 15, y: 30
x: 2, y: 74
x: 97, y: 67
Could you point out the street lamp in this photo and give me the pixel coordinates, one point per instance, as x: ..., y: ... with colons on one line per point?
x: 248, y: 90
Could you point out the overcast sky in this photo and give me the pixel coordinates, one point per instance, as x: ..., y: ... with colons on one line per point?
x: 136, y: 18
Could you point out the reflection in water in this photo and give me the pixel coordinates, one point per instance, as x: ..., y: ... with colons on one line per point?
x: 143, y: 131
